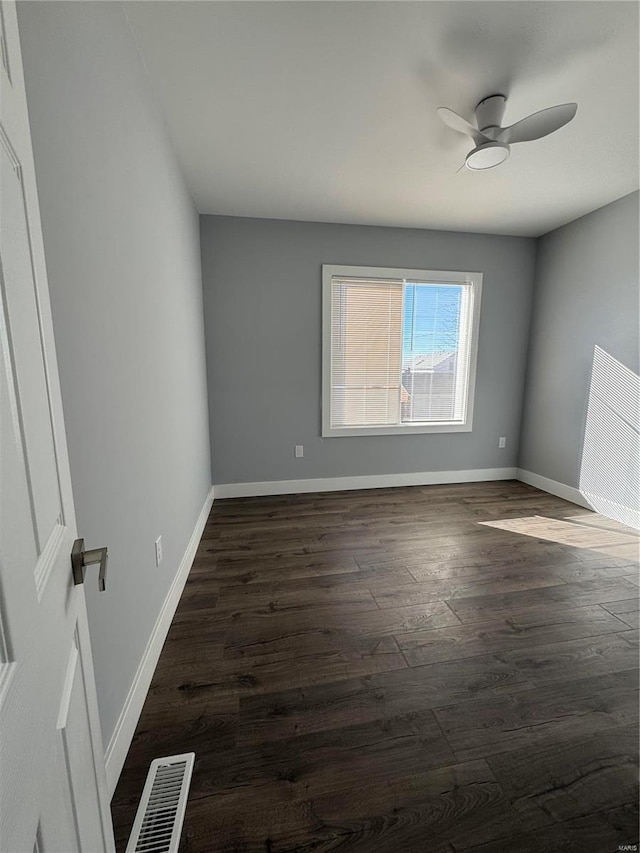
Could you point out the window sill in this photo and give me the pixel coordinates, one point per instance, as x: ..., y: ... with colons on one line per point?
x: 408, y: 429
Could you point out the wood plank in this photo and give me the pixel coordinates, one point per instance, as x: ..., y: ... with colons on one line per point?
x: 575, y: 778
x: 582, y: 658
x: 441, y: 590
x: 545, y: 715
x: 591, y: 570
x: 632, y: 637
x: 333, y: 705
x: 486, y: 607
x: 268, y: 569
x: 213, y: 826
x: 523, y: 628
x: 448, y: 808
x: 627, y: 611
x: 272, y: 673
x: 621, y: 608
x: 424, y: 563
x: 302, y: 633
x: 234, y: 594
x: 567, y: 566
x: 616, y: 830
x: 281, y: 601
x: 310, y: 765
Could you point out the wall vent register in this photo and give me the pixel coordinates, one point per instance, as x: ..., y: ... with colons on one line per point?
x: 158, y: 823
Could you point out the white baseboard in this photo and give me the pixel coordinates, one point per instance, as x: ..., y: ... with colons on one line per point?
x: 368, y: 481
x: 567, y: 493
x: 385, y: 481
x: 122, y: 736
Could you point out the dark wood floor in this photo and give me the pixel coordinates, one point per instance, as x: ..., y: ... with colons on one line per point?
x: 413, y: 670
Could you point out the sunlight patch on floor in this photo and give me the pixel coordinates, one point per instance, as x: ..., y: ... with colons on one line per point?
x: 594, y: 532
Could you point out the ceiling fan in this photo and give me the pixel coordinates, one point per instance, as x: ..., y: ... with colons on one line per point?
x: 492, y: 141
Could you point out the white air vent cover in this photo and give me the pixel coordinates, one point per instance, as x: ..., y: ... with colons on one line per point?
x: 159, y: 818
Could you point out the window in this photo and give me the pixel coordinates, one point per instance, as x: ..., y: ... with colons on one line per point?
x: 399, y: 350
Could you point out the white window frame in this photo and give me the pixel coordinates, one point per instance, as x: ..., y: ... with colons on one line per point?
x: 410, y: 276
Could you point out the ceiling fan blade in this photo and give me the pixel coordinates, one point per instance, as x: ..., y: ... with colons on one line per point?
x: 456, y: 122
x: 538, y: 125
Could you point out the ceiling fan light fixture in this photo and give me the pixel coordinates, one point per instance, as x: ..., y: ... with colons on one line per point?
x: 487, y: 156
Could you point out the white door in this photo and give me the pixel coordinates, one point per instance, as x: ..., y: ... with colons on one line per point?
x: 53, y: 794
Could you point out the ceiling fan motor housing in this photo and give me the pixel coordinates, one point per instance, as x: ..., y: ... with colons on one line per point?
x: 489, y: 113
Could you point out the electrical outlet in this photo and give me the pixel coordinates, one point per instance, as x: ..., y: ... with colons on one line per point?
x: 299, y: 451
x: 502, y: 442
x: 158, y: 550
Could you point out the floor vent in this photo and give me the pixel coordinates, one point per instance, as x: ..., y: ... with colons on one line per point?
x: 159, y: 818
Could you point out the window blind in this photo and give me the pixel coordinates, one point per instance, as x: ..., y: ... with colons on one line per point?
x: 400, y: 352
x: 366, y: 352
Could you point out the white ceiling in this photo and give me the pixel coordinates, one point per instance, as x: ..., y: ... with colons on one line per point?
x: 325, y: 111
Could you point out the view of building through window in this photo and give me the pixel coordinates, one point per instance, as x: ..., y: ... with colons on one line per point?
x: 430, y: 341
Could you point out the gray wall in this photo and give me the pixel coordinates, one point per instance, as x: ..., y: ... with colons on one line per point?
x: 586, y: 293
x: 122, y: 247
x: 262, y: 296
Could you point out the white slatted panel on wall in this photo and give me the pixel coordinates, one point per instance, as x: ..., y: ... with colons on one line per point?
x: 609, y: 475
